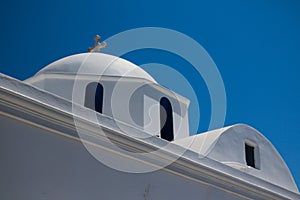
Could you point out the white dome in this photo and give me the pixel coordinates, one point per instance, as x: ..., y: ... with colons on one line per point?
x: 96, y: 64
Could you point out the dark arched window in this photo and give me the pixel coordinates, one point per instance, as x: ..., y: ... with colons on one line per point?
x: 166, y: 119
x: 94, y: 96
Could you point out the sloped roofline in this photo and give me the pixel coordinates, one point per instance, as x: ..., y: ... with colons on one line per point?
x: 19, y: 100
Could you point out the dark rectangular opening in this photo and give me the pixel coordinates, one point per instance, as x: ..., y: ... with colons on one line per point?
x: 166, y: 119
x: 94, y: 96
x: 250, y: 159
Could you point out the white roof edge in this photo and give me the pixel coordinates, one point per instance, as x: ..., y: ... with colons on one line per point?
x: 106, y: 77
x: 18, y: 87
x: 95, y: 63
x: 200, y: 142
x: 204, y: 143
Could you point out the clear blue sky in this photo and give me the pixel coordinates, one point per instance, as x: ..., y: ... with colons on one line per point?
x: 255, y: 45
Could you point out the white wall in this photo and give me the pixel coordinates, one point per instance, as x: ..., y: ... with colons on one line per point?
x: 37, y: 164
x: 124, y: 100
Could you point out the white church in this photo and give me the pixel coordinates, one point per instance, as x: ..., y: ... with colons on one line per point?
x: 95, y: 126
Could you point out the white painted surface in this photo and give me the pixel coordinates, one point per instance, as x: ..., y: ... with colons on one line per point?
x: 227, y: 145
x: 125, y: 86
x: 38, y: 162
x: 151, y: 119
x: 95, y: 64
x: 221, y: 152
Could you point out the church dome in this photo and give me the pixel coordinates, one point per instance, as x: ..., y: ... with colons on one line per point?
x: 96, y: 64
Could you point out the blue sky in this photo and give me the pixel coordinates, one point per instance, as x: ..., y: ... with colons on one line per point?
x: 255, y: 45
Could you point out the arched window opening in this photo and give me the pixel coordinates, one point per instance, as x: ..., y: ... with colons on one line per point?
x: 252, y: 155
x: 94, y: 96
x: 166, y: 119
x: 249, y: 153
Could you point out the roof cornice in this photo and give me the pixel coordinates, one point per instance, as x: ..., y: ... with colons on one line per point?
x: 56, y: 117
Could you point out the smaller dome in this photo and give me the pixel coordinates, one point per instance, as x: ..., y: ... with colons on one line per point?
x: 96, y: 64
x: 244, y: 148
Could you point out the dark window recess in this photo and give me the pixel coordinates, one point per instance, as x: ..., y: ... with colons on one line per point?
x: 94, y: 97
x: 166, y: 119
x: 250, y: 159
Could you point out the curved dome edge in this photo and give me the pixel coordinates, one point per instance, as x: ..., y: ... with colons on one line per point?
x: 95, y: 64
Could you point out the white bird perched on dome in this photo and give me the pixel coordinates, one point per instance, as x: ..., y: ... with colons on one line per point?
x: 97, y: 45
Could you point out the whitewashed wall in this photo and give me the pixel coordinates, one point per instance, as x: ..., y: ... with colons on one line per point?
x: 36, y: 164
